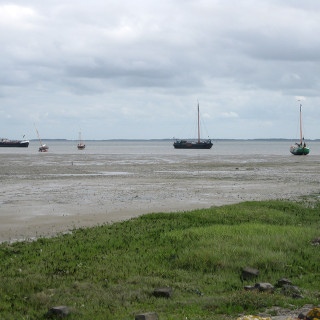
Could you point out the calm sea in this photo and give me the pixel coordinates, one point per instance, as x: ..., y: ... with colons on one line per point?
x: 220, y: 147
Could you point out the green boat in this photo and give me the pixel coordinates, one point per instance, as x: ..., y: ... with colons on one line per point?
x: 300, y: 149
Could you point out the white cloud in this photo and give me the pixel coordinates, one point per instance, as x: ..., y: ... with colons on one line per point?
x: 230, y: 114
x: 17, y: 17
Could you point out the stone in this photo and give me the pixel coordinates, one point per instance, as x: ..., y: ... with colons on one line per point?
x: 315, y: 242
x: 165, y: 292
x: 248, y: 288
x: 289, y: 313
x: 261, y: 286
x: 281, y: 282
x: 313, y: 313
x: 60, y: 311
x: 264, y: 286
x: 304, y: 310
x: 249, y: 273
x: 147, y: 316
x: 290, y: 290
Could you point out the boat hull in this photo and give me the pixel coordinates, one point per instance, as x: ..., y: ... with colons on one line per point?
x: 44, y: 148
x: 299, y: 151
x: 192, y: 144
x: 14, y: 144
x: 81, y: 146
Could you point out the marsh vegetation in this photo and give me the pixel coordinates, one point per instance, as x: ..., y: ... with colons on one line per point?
x: 110, y: 271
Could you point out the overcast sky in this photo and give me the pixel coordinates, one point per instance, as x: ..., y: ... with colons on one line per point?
x: 136, y: 69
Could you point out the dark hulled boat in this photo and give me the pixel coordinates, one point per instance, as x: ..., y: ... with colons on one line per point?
x: 14, y: 143
x: 184, y: 144
x: 193, y: 144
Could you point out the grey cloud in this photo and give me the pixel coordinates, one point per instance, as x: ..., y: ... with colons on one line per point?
x: 157, y: 57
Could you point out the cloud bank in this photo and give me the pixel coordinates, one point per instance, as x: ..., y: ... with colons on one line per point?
x: 123, y: 69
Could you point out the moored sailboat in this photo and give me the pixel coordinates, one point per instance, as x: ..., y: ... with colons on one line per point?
x: 43, y: 147
x: 301, y: 148
x: 200, y: 144
x: 80, y: 145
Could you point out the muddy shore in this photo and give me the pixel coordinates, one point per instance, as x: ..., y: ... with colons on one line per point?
x: 42, y: 195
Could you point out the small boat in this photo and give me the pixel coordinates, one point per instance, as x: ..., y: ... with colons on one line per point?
x: 4, y: 142
x: 43, y: 147
x: 200, y: 144
x: 80, y: 145
x: 301, y: 148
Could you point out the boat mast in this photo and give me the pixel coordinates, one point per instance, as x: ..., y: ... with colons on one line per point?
x: 38, y: 135
x: 198, y: 124
x: 300, y: 125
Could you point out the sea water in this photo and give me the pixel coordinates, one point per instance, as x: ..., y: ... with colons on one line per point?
x: 165, y: 147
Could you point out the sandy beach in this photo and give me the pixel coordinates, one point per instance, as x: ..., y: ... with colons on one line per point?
x: 46, y: 194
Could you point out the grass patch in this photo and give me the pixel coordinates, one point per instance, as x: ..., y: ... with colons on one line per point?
x: 110, y: 272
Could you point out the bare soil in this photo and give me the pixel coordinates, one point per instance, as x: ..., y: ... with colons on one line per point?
x: 42, y: 195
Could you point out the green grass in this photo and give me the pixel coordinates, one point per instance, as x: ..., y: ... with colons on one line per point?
x: 110, y: 271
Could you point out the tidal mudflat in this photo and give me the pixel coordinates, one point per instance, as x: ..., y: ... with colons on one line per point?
x: 45, y: 194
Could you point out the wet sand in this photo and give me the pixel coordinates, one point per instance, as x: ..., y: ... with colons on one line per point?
x: 45, y: 194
